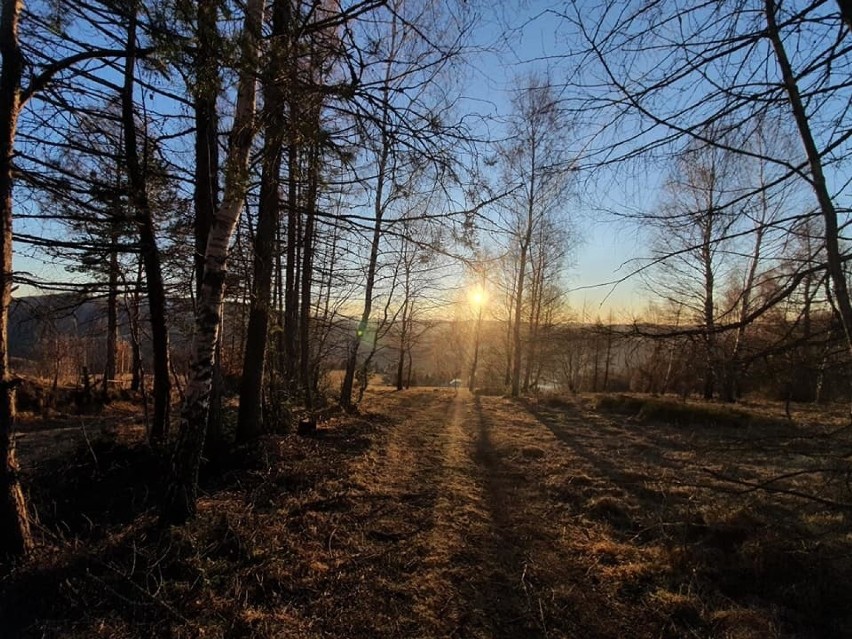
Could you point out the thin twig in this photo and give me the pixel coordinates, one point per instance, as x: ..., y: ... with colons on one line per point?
x: 767, y: 487
x: 89, y: 443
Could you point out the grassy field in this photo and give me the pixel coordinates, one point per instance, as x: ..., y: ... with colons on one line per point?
x: 443, y: 514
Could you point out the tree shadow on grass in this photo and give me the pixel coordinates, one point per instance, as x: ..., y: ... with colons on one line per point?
x: 744, y: 546
x: 504, y: 586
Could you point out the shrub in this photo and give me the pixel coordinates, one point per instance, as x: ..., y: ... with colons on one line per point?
x: 682, y: 413
x: 620, y: 404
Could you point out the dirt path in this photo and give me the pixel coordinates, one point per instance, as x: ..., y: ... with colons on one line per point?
x: 507, y: 519
x: 481, y: 546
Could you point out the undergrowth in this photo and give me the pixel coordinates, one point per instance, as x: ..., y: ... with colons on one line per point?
x: 646, y: 409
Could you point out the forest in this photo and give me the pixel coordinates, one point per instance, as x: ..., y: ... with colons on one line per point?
x: 427, y: 318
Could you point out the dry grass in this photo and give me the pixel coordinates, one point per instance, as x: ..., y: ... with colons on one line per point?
x: 437, y: 515
x: 689, y: 413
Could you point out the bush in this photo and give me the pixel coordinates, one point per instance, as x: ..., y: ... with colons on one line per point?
x: 620, y: 404
x: 692, y: 414
x: 681, y: 413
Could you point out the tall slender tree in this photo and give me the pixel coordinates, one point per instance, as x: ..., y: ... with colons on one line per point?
x: 535, y: 168
x: 279, y: 58
x: 179, y: 501
x: 15, y: 536
x: 147, y: 240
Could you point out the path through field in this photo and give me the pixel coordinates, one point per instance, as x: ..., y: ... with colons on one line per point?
x: 442, y: 514
x: 479, y: 524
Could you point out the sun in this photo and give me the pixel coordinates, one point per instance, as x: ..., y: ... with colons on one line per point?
x: 477, y: 296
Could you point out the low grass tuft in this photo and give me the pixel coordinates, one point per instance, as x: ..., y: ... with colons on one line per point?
x: 620, y: 404
x: 532, y: 452
x: 684, y: 609
x: 610, y: 509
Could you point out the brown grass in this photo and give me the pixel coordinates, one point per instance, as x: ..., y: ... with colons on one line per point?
x: 437, y: 515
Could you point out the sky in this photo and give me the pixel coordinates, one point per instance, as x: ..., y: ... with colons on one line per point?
x: 517, y: 38
x: 510, y: 40
x: 523, y: 37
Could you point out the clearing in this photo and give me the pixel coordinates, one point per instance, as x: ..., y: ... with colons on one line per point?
x: 438, y: 513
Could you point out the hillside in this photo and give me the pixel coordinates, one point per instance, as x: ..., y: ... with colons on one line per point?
x: 441, y: 514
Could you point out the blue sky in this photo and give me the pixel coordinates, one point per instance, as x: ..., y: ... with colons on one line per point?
x: 515, y: 39
x: 510, y: 40
x: 521, y: 38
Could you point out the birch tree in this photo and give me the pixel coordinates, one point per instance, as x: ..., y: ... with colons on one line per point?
x: 692, y: 227
x: 535, y: 167
x: 181, y: 494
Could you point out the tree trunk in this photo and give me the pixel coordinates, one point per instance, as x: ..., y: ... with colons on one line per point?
x: 249, y: 421
x: 519, y: 304
x: 829, y: 213
x: 507, y: 371
x: 112, y: 314
x: 608, y: 357
x: 596, y: 365
x: 179, y: 502
x: 475, y: 364
x: 403, y: 336
x: 709, y: 306
x: 250, y: 418
x: 352, y: 361
x: 291, y: 291
x: 135, y: 334
x: 15, y: 537
x: 147, y: 246
x: 408, y: 372
x: 207, y: 88
x: 305, y: 358
x: 536, y: 304
x: 206, y: 194
x: 846, y: 11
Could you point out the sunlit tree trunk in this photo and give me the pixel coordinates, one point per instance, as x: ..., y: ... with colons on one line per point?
x: 206, y: 194
x: 519, y: 288
x: 179, y: 502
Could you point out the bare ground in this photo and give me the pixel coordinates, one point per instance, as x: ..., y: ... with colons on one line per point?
x: 439, y: 514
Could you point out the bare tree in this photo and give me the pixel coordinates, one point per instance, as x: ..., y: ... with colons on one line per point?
x: 15, y: 537
x: 179, y: 501
x: 732, y: 62
x: 535, y: 165
x: 404, y: 127
x: 147, y: 242
x: 280, y: 56
x: 691, y: 230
